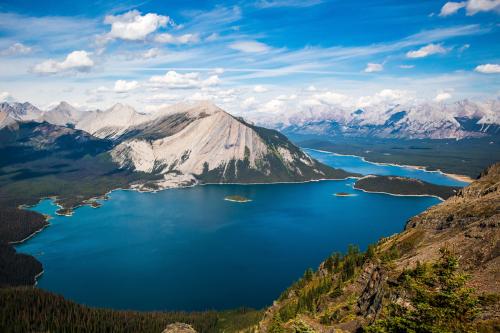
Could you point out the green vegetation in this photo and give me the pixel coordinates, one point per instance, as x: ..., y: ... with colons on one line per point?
x: 43, y: 160
x: 34, y: 310
x: 404, y: 186
x: 439, y: 300
x: 309, y: 293
x: 15, y: 225
x: 237, y: 198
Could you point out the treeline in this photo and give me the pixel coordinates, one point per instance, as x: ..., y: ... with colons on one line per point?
x: 26, y: 309
x: 404, y: 186
x: 18, y: 269
x: 17, y: 224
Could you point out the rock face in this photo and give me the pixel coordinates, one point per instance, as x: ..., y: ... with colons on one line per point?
x: 184, y: 144
x: 179, y: 328
x: 467, y: 224
x: 205, y: 144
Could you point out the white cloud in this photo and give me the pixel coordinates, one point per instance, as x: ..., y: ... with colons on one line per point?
x: 273, y: 106
x: 249, y: 103
x: 406, y: 66
x: 6, y: 97
x: 463, y: 48
x: 167, y: 38
x: 372, y: 67
x: 427, y: 50
x: 385, y: 97
x: 286, y: 3
x: 259, y: 89
x: 151, y: 53
x: 488, y: 69
x: 450, y: 8
x: 175, y: 80
x: 472, y: 7
x: 249, y: 46
x: 442, y: 96
x: 16, y: 49
x: 134, y: 26
x: 311, y: 88
x: 122, y: 86
x: 331, y: 98
x: 476, y: 6
x: 75, y: 61
x: 162, y: 97
x: 287, y: 97
x: 212, y: 37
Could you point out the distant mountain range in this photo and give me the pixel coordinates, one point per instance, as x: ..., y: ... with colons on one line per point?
x: 176, y: 146
x: 463, y: 119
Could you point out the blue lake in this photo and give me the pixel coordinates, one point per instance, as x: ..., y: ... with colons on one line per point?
x: 189, y: 249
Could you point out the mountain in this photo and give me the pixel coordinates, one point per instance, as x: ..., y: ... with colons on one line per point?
x: 83, y: 154
x: 415, y: 281
x: 201, y: 143
x: 10, y: 113
x: 463, y: 119
x: 62, y: 114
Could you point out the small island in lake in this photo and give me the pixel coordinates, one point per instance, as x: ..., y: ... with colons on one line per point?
x: 343, y: 194
x: 236, y: 198
x: 403, y: 186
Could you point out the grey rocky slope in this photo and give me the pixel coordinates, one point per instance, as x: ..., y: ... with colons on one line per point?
x: 188, y: 144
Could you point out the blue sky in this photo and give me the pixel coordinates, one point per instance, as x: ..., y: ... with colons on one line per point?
x: 248, y: 55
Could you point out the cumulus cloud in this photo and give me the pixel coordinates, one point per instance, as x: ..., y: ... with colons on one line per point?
x: 372, y: 67
x: 6, y: 97
x: 259, y: 89
x: 167, y: 38
x: 122, y: 86
x: 250, y: 46
x: 488, y: 69
x: 442, y: 96
x: 476, y: 6
x: 249, y: 103
x: 16, y: 49
x: 472, y: 7
x: 134, y: 26
x: 273, y: 106
x: 331, y: 98
x: 75, y: 61
x: 385, y: 97
x: 427, y: 50
x: 451, y: 8
x: 175, y: 80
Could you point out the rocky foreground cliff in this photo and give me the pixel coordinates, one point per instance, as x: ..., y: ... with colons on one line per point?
x: 441, y: 274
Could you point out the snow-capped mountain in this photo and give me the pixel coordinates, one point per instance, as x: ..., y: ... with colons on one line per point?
x: 202, y: 143
x: 10, y: 113
x: 189, y: 143
x: 463, y: 119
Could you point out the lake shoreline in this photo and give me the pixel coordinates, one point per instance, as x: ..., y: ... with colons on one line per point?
x: 461, y: 178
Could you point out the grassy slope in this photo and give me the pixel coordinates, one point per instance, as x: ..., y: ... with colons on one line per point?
x: 389, y: 281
